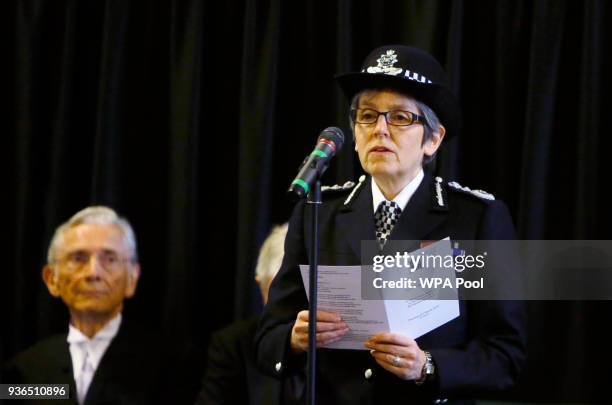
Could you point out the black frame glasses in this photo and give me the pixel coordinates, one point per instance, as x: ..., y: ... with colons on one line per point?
x: 390, y: 119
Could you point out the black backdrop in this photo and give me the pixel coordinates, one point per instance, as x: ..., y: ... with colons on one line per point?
x: 190, y: 118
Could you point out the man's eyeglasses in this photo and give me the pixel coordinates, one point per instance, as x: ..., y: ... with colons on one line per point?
x: 108, y: 260
x: 394, y: 117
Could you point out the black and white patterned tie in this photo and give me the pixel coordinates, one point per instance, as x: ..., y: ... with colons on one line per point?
x: 386, y: 216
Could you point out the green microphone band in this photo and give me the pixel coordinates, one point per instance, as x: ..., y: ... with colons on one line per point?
x: 319, y: 153
x: 302, y: 184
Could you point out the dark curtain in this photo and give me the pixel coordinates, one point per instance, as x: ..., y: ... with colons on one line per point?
x: 191, y: 118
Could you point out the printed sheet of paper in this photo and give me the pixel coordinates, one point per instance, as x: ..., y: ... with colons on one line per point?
x: 423, y: 312
x: 339, y: 290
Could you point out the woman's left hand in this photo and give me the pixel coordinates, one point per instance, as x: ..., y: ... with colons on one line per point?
x: 397, y: 354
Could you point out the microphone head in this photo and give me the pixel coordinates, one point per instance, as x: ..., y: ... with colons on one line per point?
x: 333, y: 134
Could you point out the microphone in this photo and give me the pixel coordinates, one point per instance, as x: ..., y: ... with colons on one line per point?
x: 328, y: 144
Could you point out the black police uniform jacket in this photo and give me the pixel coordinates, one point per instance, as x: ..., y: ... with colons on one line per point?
x: 480, y: 351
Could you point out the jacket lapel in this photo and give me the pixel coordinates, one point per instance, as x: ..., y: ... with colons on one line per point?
x: 63, y: 374
x: 103, y: 388
x: 355, y: 220
x: 419, y: 219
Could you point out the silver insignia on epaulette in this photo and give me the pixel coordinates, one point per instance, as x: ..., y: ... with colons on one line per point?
x: 478, y: 193
x: 439, y: 196
x: 361, y: 180
x: 345, y: 186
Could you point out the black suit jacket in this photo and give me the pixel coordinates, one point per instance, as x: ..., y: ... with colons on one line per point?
x: 482, y: 350
x: 231, y: 375
x: 138, y: 367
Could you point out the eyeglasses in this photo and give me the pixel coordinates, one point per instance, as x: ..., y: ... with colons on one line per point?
x: 108, y: 260
x: 394, y: 117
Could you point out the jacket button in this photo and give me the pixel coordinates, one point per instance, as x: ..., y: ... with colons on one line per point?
x: 368, y: 374
x: 278, y: 367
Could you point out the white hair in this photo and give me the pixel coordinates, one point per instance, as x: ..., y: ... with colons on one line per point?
x: 271, y: 253
x: 94, y: 215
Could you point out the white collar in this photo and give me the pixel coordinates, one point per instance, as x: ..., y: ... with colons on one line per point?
x: 95, y: 347
x: 402, y: 198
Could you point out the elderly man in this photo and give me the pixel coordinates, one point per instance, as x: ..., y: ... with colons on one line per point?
x: 92, y: 266
x: 401, y: 111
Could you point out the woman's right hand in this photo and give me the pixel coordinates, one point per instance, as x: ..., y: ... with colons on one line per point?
x: 330, y: 328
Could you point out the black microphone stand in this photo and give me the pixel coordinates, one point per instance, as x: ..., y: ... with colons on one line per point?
x: 330, y: 141
x: 314, y: 199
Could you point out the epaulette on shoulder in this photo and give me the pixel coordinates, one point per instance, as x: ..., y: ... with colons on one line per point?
x: 349, y: 185
x: 483, y: 195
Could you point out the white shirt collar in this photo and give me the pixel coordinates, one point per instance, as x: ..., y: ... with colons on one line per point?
x: 80, y: 345
x: 402, y: 198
